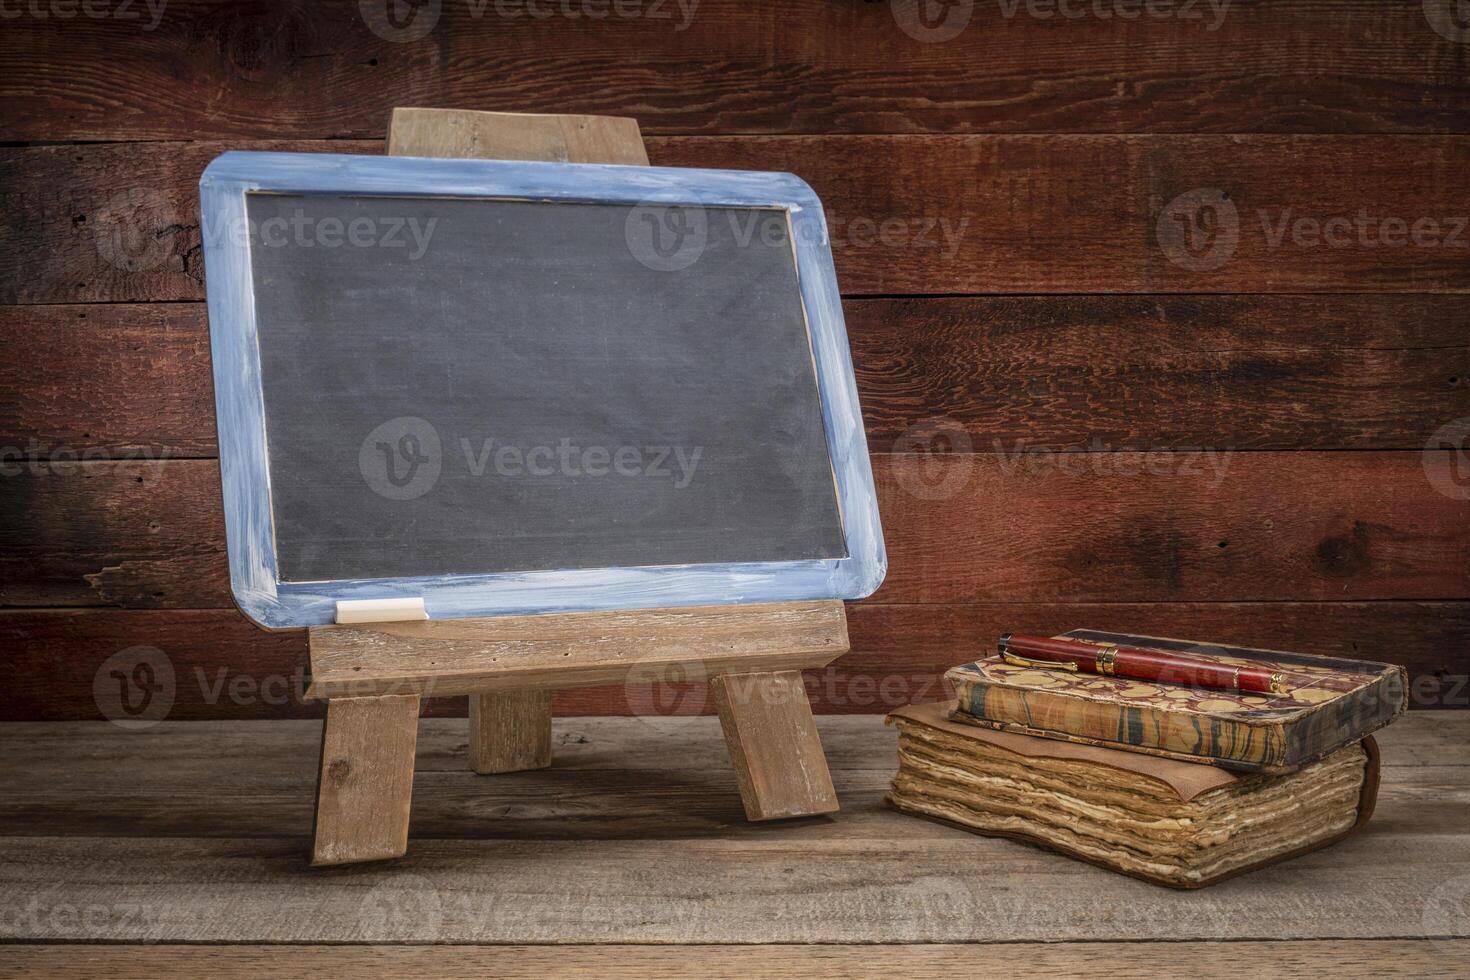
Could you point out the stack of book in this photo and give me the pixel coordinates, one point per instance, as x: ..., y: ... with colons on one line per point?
x: 1168, y: 781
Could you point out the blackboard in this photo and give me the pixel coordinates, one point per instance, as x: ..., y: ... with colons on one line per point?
x: 515, y: 386
x: 511, y: 387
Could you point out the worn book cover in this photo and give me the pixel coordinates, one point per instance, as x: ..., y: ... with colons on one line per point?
x: 1340, y: 702
x: 1170, y: 822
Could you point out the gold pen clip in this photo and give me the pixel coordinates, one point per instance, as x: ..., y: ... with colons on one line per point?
x: 1016, y: 661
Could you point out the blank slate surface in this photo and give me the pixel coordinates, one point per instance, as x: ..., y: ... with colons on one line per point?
x: 516, y: 386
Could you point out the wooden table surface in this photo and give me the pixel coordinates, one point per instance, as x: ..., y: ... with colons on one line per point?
x: 631, y: 857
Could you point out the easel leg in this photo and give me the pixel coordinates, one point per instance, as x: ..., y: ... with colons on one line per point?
x: 774, y: 745
x: 365, y: 785
x: 510, y: 731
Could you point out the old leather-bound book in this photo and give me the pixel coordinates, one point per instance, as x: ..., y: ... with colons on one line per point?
x: 1170, y: 822
x: 1328, y: 703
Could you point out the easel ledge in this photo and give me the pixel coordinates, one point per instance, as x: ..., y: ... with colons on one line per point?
x: 545, y: 653
x: 374, y: 677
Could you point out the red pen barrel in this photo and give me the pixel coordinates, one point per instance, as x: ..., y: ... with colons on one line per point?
x: 1153, y: 665
x: 1141, y: 664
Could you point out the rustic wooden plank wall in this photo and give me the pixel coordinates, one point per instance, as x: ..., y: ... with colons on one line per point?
x: 1159, y: 311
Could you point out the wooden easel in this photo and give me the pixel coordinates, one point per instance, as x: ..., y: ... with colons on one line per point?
x: 373, y: 677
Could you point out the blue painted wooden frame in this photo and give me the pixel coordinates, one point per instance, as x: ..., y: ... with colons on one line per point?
x: 241, y: 411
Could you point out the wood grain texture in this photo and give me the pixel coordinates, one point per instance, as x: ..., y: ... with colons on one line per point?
x: 818, y: 889
x: 127, y: 533
x: 515, y: 136
x: 774, y: 746
x: 225, y: 668
x: 510, y: 731
x: 1076, y: 527
x: 982, y: 373
x: 1301, y: 960
x: 613, y: 779
x: 919, y: 214
x: 815, y: 889
x: 997, y: 374
x: 365, y: 783
x: 872, y: 875
x: 129, y: 381
x: 584, y: 649
x: 1099, y: 527
x: 718, y: 67
x: 900, y: 656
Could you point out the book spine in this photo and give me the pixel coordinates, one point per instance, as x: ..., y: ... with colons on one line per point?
x: 1238, y: 742
x: 1348, y: 718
